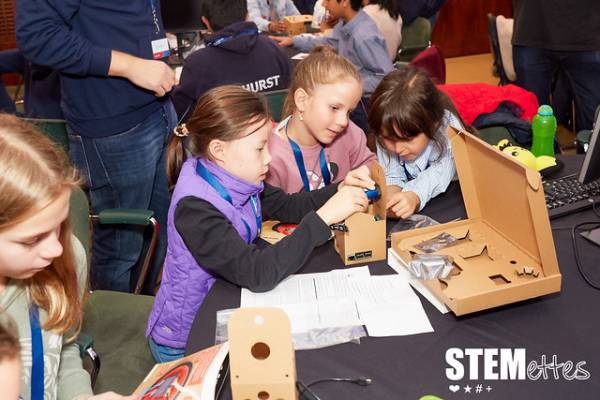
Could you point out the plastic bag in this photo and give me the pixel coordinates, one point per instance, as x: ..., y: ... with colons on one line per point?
x: 430, y: 266
x: 312, y: 339
x: 415, y: 221
x: 437, y: 243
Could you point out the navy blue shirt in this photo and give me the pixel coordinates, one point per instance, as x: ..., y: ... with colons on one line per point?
x: 76, y: 38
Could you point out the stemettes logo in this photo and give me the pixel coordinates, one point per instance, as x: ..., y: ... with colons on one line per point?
x: 492, y: 364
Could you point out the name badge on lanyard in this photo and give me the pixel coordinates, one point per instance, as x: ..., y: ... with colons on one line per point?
x: 160, y: 47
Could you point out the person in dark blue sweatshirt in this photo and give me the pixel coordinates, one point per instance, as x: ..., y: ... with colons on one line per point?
x: 113, y: 79
x: 235, y: 55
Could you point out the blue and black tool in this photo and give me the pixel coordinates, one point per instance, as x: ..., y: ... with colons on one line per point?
x: 373, y: 194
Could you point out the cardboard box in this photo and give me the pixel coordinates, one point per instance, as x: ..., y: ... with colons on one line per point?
x: 505, y: 251
x: 365, y: 237
x: 296, y: 24
x: 261, y: 354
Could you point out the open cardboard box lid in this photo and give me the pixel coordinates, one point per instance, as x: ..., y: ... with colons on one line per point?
x: 505, y: 203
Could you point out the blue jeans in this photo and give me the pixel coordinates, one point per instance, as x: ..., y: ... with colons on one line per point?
x: 537, y: 68
x: 125, y: 170
x: 164, y: 353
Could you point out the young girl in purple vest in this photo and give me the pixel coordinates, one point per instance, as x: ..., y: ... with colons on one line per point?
x: 217, y: 207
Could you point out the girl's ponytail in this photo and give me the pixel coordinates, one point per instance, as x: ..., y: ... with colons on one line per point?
x: 176, y: 154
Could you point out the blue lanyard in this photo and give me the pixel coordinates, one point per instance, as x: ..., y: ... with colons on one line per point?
x: 155, y: 17
x: 37, y: 355
x: 212, y: 181
x: 224, y: 39
x: 409, y: 177
x: 300, y: 163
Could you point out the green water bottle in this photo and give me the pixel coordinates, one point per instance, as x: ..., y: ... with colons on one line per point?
x: 544, y: 129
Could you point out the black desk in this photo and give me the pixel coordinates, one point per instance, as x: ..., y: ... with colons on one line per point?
x: 408, y: 367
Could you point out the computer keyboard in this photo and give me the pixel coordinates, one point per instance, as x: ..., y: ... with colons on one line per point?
x: 567, y: 195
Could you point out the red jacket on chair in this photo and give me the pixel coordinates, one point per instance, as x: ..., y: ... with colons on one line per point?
x: 474, y: 99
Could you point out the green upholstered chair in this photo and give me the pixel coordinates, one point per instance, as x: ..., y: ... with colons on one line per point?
x: 57, y: 131
x: 114, y: 323
x: 276, y: 99
x: 416, y: 37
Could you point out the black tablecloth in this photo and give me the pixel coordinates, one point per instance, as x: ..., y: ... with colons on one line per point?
x: 407, y: 367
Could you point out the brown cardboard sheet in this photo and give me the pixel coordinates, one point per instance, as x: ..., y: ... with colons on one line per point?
x: 505, y: 252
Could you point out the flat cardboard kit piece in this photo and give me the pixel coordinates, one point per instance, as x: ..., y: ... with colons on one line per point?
x: 261, y: 355
x: 364, y: 238
x: 296, y: 24
x: 505, y: 252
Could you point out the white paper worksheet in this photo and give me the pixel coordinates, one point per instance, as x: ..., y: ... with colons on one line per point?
x: 385, y: 304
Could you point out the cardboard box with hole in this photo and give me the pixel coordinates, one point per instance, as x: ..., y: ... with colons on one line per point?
x: 296, y: 24
x: 505, y: 251
x: 261, y: 355
x: 363, y: 238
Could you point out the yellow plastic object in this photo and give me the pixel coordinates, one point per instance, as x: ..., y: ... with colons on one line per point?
x: 526, y: 157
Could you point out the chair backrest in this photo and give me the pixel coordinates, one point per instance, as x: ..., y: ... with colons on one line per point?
x: 500, y: 32
x: 80, y: 220
x: 431, y: 60
x: 117, y: 323
x: 416, y: 37
x: 276, y: 99
x: 56, y: 129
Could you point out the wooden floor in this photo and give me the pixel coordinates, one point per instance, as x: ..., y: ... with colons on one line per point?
x: 470, y: 69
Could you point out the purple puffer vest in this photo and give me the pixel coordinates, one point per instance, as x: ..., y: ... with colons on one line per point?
x: 184, y: 282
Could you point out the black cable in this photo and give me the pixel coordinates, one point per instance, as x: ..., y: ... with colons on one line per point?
x: 576, y: 250
x: 304, y: 389
x: 361, y: 381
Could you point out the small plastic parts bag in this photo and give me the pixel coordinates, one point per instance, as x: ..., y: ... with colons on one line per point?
x: 312, y: 339
x: 437, y: 243
x: 430, y: 266
x: 415, y: 221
